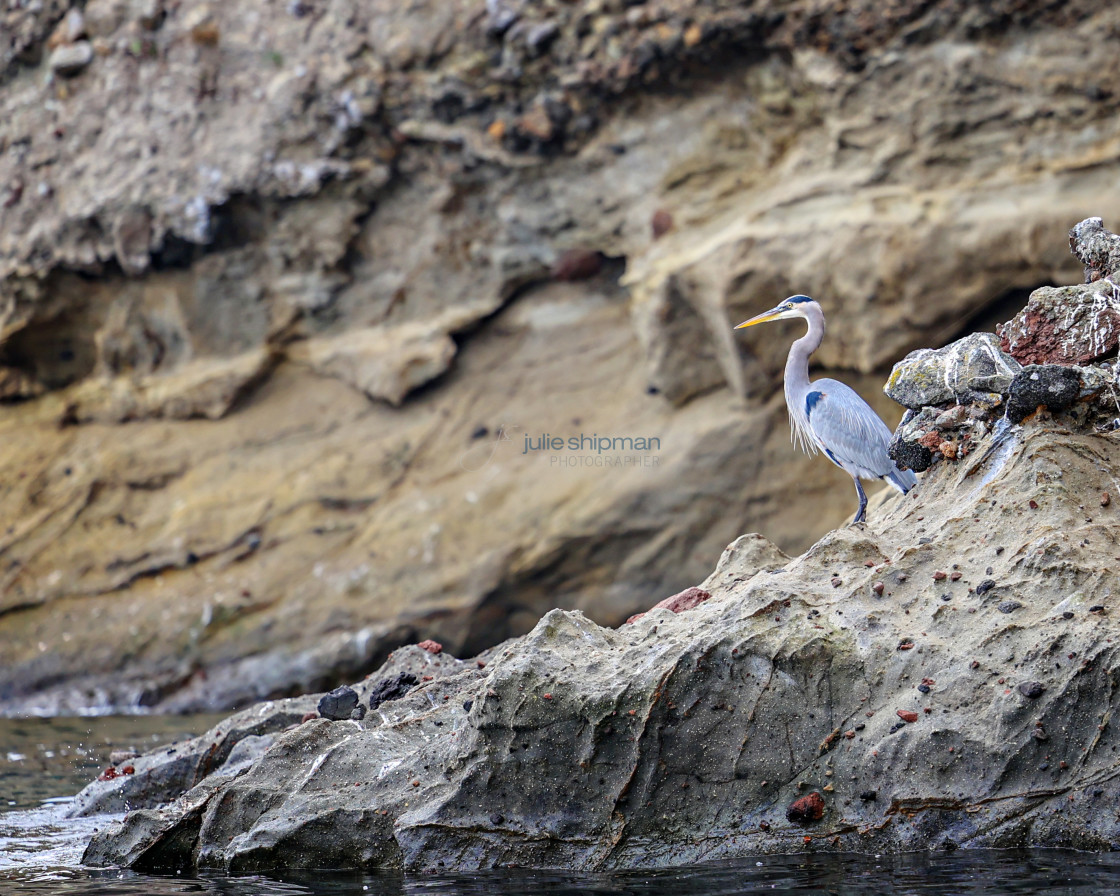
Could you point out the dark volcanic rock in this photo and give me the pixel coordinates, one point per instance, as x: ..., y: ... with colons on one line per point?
x: 338, y: 704
x: 910, y: 455
x: 391, y: 689
x: 1042, y: 385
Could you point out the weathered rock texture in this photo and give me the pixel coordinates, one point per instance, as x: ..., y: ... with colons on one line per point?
x: 956, y: 395
x: 944, y: 674
x: 273, y: 278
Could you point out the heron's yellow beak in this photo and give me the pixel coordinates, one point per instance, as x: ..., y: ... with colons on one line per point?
x: 772, y: 314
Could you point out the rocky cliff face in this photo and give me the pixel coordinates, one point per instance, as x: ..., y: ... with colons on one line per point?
x: 942, y: 676
x: 272, y: 283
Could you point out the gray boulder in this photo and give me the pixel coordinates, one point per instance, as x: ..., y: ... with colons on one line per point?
x: 937, y: 376
x: 172, y: 769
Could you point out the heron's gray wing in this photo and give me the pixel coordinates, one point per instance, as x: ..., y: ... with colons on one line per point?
x: 848, y: 430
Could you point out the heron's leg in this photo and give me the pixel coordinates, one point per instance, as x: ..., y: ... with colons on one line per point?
x: 862, y: 501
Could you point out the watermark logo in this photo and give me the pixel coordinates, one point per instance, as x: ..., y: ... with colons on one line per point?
x: 579, y: 450
x: 594, y: 450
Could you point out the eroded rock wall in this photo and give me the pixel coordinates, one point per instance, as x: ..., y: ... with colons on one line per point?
x: 272, y: 281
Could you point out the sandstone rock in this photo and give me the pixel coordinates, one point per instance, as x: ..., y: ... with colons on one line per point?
x: 384, y: 364
x: 70, y: 59
x: 1065, y: 325
x: 584, y: 740
x: 205, y: 388
x: 937, y: 376
x: 211, y: 226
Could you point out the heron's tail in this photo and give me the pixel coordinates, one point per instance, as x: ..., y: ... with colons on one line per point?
x: 903, y: 480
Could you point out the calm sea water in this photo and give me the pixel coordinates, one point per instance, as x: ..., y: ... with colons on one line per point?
x: 44, y: 761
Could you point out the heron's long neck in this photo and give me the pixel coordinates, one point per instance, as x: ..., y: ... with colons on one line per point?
x: 797, y: 364
x: 797, y: 378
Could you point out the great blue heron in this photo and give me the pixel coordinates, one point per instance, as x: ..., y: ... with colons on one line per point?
x: 830, y: 416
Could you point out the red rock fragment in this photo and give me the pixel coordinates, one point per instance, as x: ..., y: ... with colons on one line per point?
x: 931, y: 440
x: 907, y: 715
x: 940, y: 576
x: 431, y: 646
x: 128, y: 770
x: 837, y: 581
x: 661, y: 223
x: 688, y: 599
x: 1033, y: 505
x: 109, y: 774
x: 308, y: 716
x: 577, y: 264
x: 955, y: 577
x: 548, y: 696
x: 1105, y: 499
x: 906, y: 644
x: 1081, y: 331
x: 878, y: 588
x: 807, y: 809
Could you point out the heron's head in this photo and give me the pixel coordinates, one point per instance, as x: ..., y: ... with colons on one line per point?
x: 794, y: 306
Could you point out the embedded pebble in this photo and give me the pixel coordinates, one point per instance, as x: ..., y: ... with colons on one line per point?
x: 70, y: 59
x: 807, y: 809
x: 1031, y: 689
x: 338, y: 704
